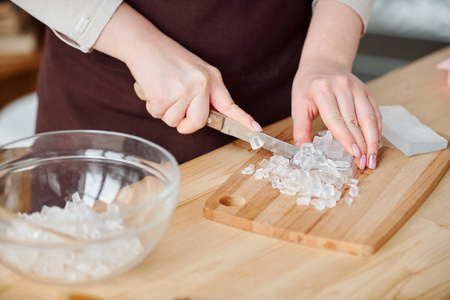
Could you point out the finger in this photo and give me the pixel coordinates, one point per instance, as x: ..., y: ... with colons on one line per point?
x: 302, y: 117
x: 197, y: 114
x: 222, y: 101
x: 175, y: 113
x: 346, y: 106
x: 377, y: 111
x: 156, y: 108
x: 331, y: 116
x: 368, y: 121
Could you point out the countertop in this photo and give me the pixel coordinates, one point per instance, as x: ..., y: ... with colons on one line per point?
x: 201, y: 259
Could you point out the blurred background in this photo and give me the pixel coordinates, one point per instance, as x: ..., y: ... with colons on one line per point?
x: 399, y: 32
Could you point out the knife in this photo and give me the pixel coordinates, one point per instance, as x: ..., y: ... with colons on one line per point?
x: 230, y: 127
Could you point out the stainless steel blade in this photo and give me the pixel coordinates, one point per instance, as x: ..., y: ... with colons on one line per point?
x: 233, y: 128
x: 279, y: 147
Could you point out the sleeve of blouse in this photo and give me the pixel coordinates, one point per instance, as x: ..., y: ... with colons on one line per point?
x: 78, y: 23
x: 362, y: 7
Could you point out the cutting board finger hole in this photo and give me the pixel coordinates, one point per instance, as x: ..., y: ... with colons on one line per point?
x: 232, y: 200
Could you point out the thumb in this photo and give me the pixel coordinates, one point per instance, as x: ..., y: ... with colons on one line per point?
x: 222, y: 101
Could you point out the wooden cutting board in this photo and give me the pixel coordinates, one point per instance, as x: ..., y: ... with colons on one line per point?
x: 389, y: 196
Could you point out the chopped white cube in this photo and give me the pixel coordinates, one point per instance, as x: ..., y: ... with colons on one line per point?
x: 320, y: 204
x: 330, y: 203
x: 354, y: 191
x: 353, y: 181
x: 259, y: 174
x: 248, y: 170
x: 349, y: 200
x: 303, y: 199
x: 318, y: 170
x: 257, y: 141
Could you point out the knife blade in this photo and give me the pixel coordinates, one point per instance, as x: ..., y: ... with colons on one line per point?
x: 230, y: 127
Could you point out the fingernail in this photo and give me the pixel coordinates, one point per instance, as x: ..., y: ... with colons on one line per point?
x: 256, y: 126
x: 297, y: 144
x: 356, y: 151
x: 362, y: 162
x: 373, y: 161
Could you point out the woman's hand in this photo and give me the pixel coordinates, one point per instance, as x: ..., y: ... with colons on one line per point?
x: 345, y: 105
x: 324, y: 84
x: 178, y: 85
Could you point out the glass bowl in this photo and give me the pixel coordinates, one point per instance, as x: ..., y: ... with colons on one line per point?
x: 83, y: 206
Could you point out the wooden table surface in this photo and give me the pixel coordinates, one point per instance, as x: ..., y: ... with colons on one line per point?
x: 200, y: 259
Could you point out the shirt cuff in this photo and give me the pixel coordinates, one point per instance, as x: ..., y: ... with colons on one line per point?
x: 92, y: 28
x: 362, y: 7
x: 78, y: 23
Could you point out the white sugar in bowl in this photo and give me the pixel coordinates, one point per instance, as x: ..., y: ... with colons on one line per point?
x: 83, y: 206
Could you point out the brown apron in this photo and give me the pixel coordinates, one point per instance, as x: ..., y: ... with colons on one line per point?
x: 255, y: 44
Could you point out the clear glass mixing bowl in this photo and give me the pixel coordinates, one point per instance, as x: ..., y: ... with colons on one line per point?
x: 83, y: 206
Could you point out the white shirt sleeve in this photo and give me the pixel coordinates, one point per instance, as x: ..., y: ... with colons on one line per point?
x: 362, y: 7
x: 78, y: 23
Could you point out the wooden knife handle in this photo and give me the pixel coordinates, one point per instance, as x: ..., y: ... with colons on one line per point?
x: 215, y: 120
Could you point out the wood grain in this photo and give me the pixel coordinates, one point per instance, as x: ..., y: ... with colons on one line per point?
x: 389, y: 195
x: 199, y: 259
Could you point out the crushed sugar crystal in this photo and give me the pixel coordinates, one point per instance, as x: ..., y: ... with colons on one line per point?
x: 281, y: 185
x: 259, y: 174
x: 257, y: 141
x: 353, y: 181
x: 322, y: 132
x: 248, y: 170
x: 336, y: 149
x: 320, y: 204
x: 264, y: 163
x: 80, y: 221
x: 328, y: 191
x: 337, y: 195
x: 330, y: 203
x: 303, y: 199
x: 319, y: 169
x: 274, y: 178
x: 349, y: 200
x: 354, y: 191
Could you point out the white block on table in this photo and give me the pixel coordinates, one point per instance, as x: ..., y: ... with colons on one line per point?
x: 407, y: 133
